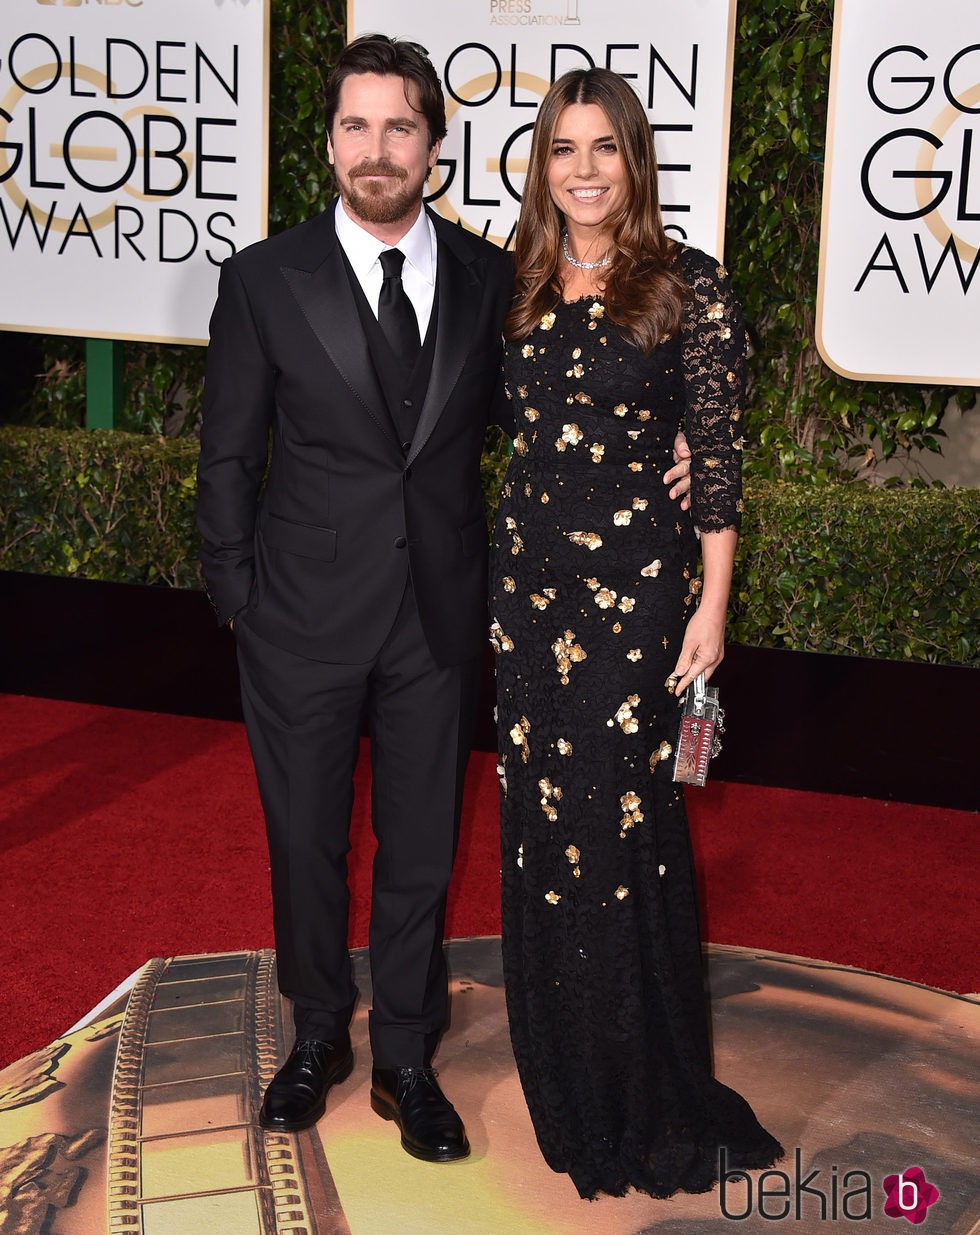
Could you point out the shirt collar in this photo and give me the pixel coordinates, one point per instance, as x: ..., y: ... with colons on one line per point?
x: 363, y: 249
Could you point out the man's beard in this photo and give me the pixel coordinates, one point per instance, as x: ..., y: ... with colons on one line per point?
x: 380, y: 203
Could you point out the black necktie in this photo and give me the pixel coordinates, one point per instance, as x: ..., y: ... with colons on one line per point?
x: 395, y: 312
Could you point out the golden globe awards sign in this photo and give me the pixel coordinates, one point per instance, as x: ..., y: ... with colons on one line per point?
x: 497, y: 58
x: 899, y: 291
x: 133, y: 161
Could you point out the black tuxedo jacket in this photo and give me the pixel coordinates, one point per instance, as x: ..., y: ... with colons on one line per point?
x: 315, y: 559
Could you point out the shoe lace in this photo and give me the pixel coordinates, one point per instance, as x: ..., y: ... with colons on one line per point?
x: 310, y: 1051
x: 408, y: 1078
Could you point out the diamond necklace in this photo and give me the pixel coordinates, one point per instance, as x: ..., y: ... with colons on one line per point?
x: 573, y: 261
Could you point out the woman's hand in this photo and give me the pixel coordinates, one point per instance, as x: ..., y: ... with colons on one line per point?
x: 702, y: 651
x: 704, y: 636
x: 679, y: 475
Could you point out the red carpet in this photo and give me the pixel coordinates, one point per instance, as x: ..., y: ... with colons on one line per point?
x: 127, y: 835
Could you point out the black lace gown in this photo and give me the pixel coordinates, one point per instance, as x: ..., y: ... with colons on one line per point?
x: 595, y: 572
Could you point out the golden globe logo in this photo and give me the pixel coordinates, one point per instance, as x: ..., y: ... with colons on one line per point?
x: 133, y: 161
x: 924, y: 165
x: 75, y: 137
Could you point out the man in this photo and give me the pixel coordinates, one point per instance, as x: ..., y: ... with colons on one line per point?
x: 356, y: 579
x: 366, y: 343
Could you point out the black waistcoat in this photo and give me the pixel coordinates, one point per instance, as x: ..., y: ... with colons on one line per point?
x: 404, y: 389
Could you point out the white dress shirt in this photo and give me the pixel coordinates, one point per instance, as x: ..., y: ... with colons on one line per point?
x: 418, y: 273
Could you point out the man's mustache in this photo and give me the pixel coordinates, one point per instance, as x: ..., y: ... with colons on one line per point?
x: 378, y: 167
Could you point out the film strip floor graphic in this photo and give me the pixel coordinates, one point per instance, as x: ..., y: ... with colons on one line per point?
x: 199, y: 1041
x: 141, y: 1121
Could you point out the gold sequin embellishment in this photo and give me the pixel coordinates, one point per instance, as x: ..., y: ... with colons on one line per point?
x: 624, y: 715
x: 498, y: 640
x: 632, y: 815
x: 518, y: 735
x: 549, y: 792
x: 571, y: 435
x: 591, y: 540
x: 663, y: 751
x: 567, y: 652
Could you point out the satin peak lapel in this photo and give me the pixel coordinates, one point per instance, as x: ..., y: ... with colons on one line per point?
x: 327, y: 302
x: 459, y: 298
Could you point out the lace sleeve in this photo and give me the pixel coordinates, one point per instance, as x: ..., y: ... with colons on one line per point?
x: 714, y: 378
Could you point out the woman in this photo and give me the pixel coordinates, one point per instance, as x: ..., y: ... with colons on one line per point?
x: 601, y: 620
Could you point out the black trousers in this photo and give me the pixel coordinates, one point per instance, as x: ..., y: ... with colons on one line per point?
x: 304, y: 720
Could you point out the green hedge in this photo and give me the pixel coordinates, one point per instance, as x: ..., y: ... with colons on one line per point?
x: 829, y: 568
x: 99, y: 505
x: 868, y: 571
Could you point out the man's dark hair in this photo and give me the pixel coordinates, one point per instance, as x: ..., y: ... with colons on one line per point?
x: 377, y: 53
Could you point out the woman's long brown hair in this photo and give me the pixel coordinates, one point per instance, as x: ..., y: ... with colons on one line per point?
x: 645, y: 291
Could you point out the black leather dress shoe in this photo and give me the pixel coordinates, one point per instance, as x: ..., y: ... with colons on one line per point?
x: 297, y: 1096
x: 431, y: 1129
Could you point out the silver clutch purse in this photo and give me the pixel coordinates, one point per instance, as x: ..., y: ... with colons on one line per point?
x: 702, y: 721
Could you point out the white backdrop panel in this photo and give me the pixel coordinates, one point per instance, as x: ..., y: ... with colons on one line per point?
x: 899, y: 293
x: 496, y: 59
x: 133, y: 161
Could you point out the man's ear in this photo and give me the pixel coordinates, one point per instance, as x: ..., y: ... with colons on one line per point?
x: 330, y: 152
x: 434, y: 153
